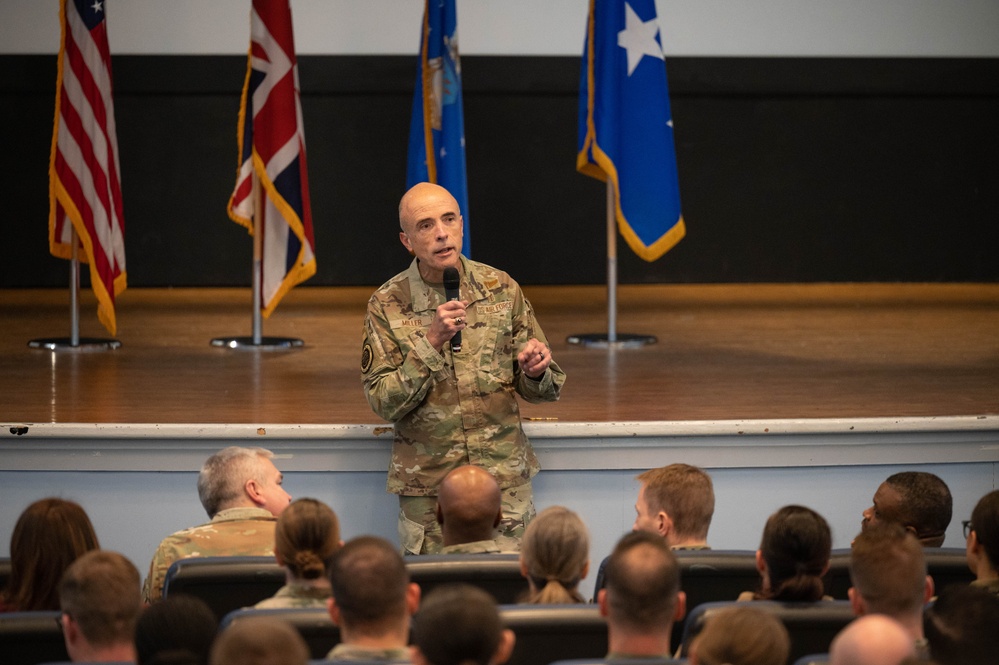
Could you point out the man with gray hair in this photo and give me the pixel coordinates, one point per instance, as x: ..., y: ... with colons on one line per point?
x: 241, y: 490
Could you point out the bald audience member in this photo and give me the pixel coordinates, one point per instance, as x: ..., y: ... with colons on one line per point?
x: 100, y: 603
x: 642, y: 598
x: 241, y: 490
x: 871, y: 640
x: 372, y: 601
x: 888, y: 573
x: 469, y: 510
x: 259, y: 641
x: 919, y: 501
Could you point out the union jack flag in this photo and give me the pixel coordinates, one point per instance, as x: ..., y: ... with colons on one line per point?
x: 271, y: 136
x: 84, y: 176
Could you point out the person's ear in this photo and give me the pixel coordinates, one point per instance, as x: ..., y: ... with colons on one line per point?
x: 857, y: 603
x: 681, y: 607
x: 440, y: 514
x: 664, y: 523
x: 278, y: 558
x: 505, y: 648
x: 523, y: 567
x: 602, y: 602
x: 499, y: 518
x: 404, y: 238
x: 412, y: 597
x: 928, y: 589
x: 334, y: 611
x: 761, y: 564
x: 252, y: 489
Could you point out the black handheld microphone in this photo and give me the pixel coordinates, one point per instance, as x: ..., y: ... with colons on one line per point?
x: 451, y: 282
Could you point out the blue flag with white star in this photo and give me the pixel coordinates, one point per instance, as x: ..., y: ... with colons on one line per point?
x: 625, y: 125
x: 437, y: 128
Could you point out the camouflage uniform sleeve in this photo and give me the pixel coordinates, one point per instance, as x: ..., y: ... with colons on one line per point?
x: 549, y: 388
x: 397, y: 374
x: 152, y: 589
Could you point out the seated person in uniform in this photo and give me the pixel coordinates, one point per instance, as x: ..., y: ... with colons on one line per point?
x: 372, y: 601
x: 100, y: 603
x: 240, y: 489
x: 554, y: 557
x: 793, y: 556
x: 919, y: 501
x: 469, y: 510
x: 459, y: 624
x: 307, y: 537
x: 982, y: 541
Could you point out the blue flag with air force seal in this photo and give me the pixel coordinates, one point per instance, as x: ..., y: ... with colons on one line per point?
x: 437, y: 128
x: 625, y: 125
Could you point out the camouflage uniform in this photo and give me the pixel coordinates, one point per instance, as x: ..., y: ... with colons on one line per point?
x: 348, y: 652
x: 296, y: 595
x: 232, y: 532
x: 451, y: 409
x: 494, y: 546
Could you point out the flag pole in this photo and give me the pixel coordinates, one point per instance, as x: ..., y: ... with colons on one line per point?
x: 611, y: 339
x: 256, y: 340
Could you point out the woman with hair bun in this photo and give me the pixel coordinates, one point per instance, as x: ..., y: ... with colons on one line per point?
x: 306, y: 537
x: 554, y: 557
x: 793, y: 556
x: 49, y: 535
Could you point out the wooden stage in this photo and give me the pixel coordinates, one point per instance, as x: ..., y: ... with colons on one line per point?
x: 725, y: 352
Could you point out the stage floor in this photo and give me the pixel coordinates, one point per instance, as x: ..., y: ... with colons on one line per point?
x: 724, y: 352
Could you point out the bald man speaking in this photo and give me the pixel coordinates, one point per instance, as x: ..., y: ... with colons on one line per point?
x: 453, y: 407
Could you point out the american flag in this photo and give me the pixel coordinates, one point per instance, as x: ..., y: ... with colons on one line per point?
x: 272, y: 141
x: 84, y: 176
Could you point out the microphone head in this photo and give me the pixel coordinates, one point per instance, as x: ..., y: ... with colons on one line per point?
x: 451, y: 278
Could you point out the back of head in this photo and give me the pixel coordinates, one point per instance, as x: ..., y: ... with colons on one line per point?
x: 49, y: 535
x: 369, y: 580
x: 178, y: 629
x: 685, y: 493
x: 555, y: 552
x: 259, y: 641
x: 985, y: 523
x: 642, y: 582
x: 306, y: 537
x: 962, y: 626
x: 469, y: 501
x: 796, y: 546
x: 458, y: 624
x: 101, y: 592
x: 926, y: 506
x: 221, y: 483
x: 741, y: 636
x: 888, y: 569
x: 874, y: 639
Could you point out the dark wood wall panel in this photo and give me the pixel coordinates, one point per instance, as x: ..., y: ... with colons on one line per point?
x: 791, y: 170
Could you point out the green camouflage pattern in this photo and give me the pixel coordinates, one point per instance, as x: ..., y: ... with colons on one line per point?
x: 296, y: 596
x: 232, y: 532
x: 451, y: 409
x: 477, y: 547
x: 348, y: 652
x: 419, y: 532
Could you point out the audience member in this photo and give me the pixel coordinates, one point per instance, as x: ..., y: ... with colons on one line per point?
x: 179, y: 630
x: 642, y: 598
x: 917, y: 500
x: 982, y: 537
x: 469, y: 510
x: 240, y: 489
x: 305, y: 540
x: 459, y: 624
x: 741, y: 636
x: 675, y: 501
x: 962, y: 626
x: 888, y: 573
x: 554, y: 556
x: 793, y: 556
x: 259, y: 641
x: 99, y: 599
x: 871, y: 640
x: 49, y: 535
x: 372, y: 601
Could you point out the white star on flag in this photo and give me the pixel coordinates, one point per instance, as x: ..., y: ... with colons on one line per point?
x: 638, y: 38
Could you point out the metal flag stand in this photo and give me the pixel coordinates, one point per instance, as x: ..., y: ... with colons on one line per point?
x: 257, y: 340
x: 74, y: 341
x: 612, y: 339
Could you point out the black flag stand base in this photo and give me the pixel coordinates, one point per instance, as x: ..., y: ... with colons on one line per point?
x: 263, y: 343
x: 603, y: 341
x: 67, y: 343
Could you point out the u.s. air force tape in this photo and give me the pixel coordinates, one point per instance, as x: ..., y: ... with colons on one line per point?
x: 367, y: 357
